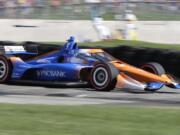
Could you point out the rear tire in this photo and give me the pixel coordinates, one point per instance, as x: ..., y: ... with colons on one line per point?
x: 104, y: 77
x: 5, y: 69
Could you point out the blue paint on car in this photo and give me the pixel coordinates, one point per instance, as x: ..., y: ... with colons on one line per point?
x: 154, y: 85
x: 48, y: 67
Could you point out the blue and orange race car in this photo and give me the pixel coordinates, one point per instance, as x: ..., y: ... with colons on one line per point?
x: 97, y: 68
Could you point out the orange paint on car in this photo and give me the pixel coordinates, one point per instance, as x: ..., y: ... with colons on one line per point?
x: 14, y: 59
x: 120, y: 81
x: 95, y: 50
x: 139, y: 74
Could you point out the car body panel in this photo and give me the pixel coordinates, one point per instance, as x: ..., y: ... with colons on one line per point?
x: 47, y: 71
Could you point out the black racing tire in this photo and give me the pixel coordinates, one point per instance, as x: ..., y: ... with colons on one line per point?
x: 5, y: 69
x: 103, y: 77
x: 154, y: 68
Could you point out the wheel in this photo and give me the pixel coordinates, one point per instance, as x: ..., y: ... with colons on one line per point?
x: 154, y: 68
x: 5, y: 69
x: 104, y: 77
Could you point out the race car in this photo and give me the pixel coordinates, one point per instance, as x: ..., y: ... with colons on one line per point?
x: 98, y: 69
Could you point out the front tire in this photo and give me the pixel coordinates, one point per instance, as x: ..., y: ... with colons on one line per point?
x: 5, y: 69
x: 154, y: 68
x: 104, y: 77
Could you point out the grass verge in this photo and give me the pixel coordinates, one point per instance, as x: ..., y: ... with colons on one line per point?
x: 115, y: 43
x: 87, y: 120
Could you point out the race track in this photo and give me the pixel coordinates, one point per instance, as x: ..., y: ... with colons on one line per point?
x: 58, y: 95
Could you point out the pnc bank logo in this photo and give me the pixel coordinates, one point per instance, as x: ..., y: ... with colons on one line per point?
x: 51, y: 73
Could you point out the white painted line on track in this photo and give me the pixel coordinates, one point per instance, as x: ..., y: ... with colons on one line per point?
x: 81, y: 96
x: 26, y: 99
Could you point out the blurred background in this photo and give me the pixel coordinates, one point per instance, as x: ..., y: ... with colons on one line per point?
x: 90, y: 20
x: 145, y: 10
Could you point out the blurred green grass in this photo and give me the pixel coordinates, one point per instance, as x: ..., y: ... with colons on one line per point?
x: 115, y: 43
x: 88, y: 120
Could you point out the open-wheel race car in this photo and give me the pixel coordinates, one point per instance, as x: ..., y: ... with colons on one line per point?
x: 97, y: 68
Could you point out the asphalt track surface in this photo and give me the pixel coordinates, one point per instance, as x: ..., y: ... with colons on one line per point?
x: 80, y: 95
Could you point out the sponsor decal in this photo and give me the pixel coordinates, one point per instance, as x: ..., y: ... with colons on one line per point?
x: 14, y: 49
x: 43, y: 61
x: 122, y: 65
x: 51, y: 73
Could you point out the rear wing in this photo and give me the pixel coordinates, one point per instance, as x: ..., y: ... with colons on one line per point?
x: 19, y: 49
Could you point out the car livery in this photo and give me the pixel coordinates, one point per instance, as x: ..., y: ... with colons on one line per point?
x: 95, y: 67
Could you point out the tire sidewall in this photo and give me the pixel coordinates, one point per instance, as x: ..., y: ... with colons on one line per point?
x: 155, y: 67
x: 152, y: 68
x: 8, y: 69
x: 109, y: 76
